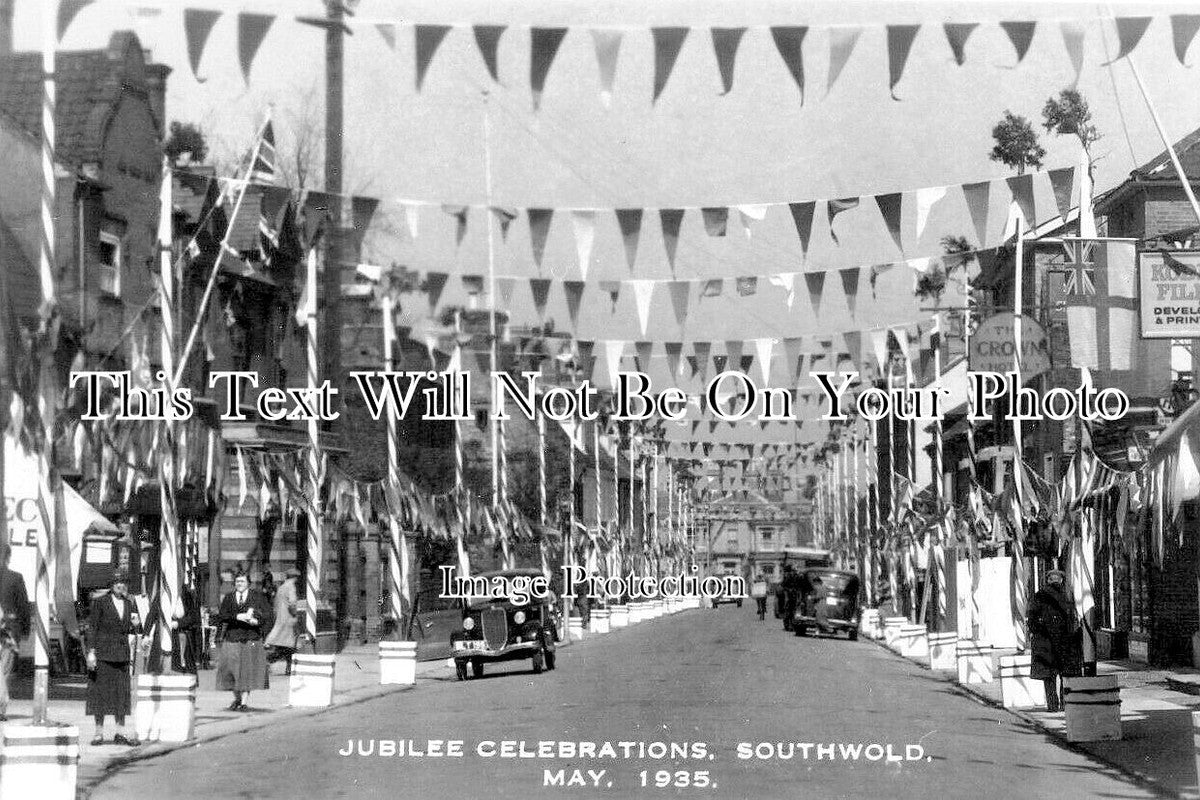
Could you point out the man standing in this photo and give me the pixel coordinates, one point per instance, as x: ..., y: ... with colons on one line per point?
x: 1054, y: 636
x: 14, y: 622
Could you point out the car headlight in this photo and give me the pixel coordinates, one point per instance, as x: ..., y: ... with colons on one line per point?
x: 519, y: 617
x: 468, y: 624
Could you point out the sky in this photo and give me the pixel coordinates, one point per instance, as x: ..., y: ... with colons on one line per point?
x: 465, y: 140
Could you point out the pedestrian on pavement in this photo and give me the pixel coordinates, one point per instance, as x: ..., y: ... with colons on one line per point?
x: 1054, y: 636
x: 113, y: 619
x: 758, y: 590
x: 244, y: 615
x: 789, y: 595
x: 14, y: 622
x: 268, y: 585
x: 187, y: 632
x: 281, y: 641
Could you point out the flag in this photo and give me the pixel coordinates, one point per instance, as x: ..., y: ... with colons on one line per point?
x: 1102, y: 306
x: 263, y: 168
x: 1080, y: 267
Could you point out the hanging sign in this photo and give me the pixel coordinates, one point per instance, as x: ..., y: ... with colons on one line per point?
x: 1169, y: 294
x: 994, y: 344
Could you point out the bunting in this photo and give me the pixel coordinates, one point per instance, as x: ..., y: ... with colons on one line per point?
x: 487, y: 39
x: 667, y: 44
x: 629, y: 220
x: 583, y: 223
x: 544, y: 43
x: 1183, y: 31
x: 197, y: 25
x: 607, y: 44
x: 1129, y: 32
x: 671, y: 220
x: 957, y: 34
x: 835, y: 207
x: 427, y: 39
x: 899, y: 44
x: 841, y: 45
x: 1021, y: 36
x: 789, y: 42
x: 252, y: 29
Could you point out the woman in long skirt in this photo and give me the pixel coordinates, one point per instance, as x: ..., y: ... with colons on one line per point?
x: 112, y: 619
x: 246, y: 616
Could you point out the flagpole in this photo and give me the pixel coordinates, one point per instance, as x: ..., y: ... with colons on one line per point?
x: 398, y: 566
x: 875, y: 543
x: 314, y: 555
x: 1184, y: 181
x: 939, y: 548
x: 568, y: 541
x: 1020, y: 590
x: 464, y: 559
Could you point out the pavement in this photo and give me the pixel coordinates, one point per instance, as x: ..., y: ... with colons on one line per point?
x: 1156, y: 749
x: 709, y: 703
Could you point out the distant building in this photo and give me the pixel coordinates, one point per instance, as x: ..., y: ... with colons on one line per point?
x: 744, y: 533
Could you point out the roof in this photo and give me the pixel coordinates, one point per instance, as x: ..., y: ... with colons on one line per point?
x: 1160, y: 167
x: 88, y: 86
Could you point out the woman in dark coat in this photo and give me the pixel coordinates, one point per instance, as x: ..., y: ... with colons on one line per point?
x: 112, y: 619
x: 1054, y: 636
x: 246, y: 617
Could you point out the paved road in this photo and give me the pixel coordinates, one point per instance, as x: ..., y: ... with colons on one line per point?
x: 711, y: 680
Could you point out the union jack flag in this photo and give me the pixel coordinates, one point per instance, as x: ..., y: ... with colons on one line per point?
x: 1080, y: 267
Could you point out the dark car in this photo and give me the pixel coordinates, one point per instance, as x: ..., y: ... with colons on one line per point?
x: 828, y: 602
x: 496, y: 629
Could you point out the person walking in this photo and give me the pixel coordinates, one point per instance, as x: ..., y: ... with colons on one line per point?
x: 1053, y: 636
x: 789, y: 594
x: 244, y: 615
x: 758, y: 590
x: 14, y: 622
x: 112, y: 620
x: 281, y: 641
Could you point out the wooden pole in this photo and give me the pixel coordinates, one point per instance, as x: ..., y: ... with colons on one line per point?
x: 314, y: 555
x: 168, y: 538
x: 1020, y: 589
x: 398, y: 566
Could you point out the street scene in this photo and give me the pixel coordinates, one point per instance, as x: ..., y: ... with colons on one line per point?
x: 542, y: 398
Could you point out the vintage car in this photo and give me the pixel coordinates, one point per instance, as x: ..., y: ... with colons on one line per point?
x: 496, y: 629
x: 828, y: 602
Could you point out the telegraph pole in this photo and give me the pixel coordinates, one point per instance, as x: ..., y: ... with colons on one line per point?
x: 335, y: 30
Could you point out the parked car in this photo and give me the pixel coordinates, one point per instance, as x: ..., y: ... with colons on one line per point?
x: 828, y: 602
x: 726, y: 597
x: 496, y: 629
x: 433, y: 621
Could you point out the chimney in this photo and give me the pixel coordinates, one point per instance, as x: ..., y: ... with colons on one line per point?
x: 6, y: 26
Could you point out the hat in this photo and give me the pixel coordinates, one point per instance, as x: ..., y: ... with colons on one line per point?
x: 1052, y: 572
x: 292, y: 572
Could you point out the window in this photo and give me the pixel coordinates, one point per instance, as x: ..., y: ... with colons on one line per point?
x: 768, y: 569
x: 109, y: 273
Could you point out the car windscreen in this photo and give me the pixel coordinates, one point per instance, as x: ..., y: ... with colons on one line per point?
x: 834, y: 583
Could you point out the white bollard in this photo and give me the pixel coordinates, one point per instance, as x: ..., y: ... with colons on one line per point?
x: 943, y: 650
x: 637, y: 612
x: 619, y: 616
x: 1092, y: 707
x: 575, y: 627
x: 397, y: 663
x: 912, y: 641
x: 891, y: 628
x: 868, y: 621
x: 601, y: 621
x: 166, y: 708
x: 1017, y: 688
x: 312, y: 681
x: 974, y: 662
x: 39, y: 761
x: 660, y: 608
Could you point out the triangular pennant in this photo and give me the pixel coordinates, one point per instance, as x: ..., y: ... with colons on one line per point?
x: 460, y: 215
x: 613, y: 290
x: 629, y: 220
x: 613, y: 349
x: 816, y: 285
x: 428, y: 38
x: 926, y: 199
x: 67, y: 10
x: 539, y: 229
x: 763, y: 348
x: 701, y: 349
x: 667, y: 44
x: 643, y: 292
x: 505, y: 217
x: 433, y: 285
x: 976, y: 197
x: 540, y: 289
x: 252, y: 29
x: 891, y: 206
x: 854, y: 347
x: 733, y: 353
x: 725, y: 45
x: 720, y: 361
x: 957, y: 34
x: 574, y: 292
x: 197, y: 25
x: 1074, y: 32
x: 1183, y: 31
x: 835, y: 207
x: 752, y: 213
x: 747, y: 285
x: 1062, y: 181
x: 388, y: 32
x: 1021, y: 187
x: 802, y: 216
x: 879, y: 346
x: 850, y: 277
x: 1021, y: 36
x: 787, y: 282
x: 792, y: 352
x: 583, y: 222
x: 412, y: 219
x: 543, y: 46
x: 712, y: 287
x: 671, y: 220
x: 1129, y: 32
x: 789, y: 41
x: 674, y: 350
x: 715, y: 220
x: 608, y: 46
x: 644, y: 352
x: 841, y: 45
x: 472, y: 284
x: 679, y: 299
x: 487, y: 38
x: 899, y: 44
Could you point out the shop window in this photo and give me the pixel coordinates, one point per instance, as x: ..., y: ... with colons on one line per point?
x: 109, y: 272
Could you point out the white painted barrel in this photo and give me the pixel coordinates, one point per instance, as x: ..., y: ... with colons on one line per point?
x: 575, y: 627
x: 943, y: 650
x: 619, y: 617
x: 1092, y: 707
x: 637, y: 612
x: 601, y: 621
x: 39, y: 761
x: 891, y: 627
x: 311, y: 685
x: 397, y: 663
x: 1017, y: 689
x: 869, y: 623
x: 974, y: 662
x: 166, y: 708
x: 912, y: 641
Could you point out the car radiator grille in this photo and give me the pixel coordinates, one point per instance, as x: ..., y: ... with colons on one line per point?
x: 495, y: 627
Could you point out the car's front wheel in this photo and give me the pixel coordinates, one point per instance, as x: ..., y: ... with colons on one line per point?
x: 854, y: 634
x: 739, y: 602
x: 800, y: 630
